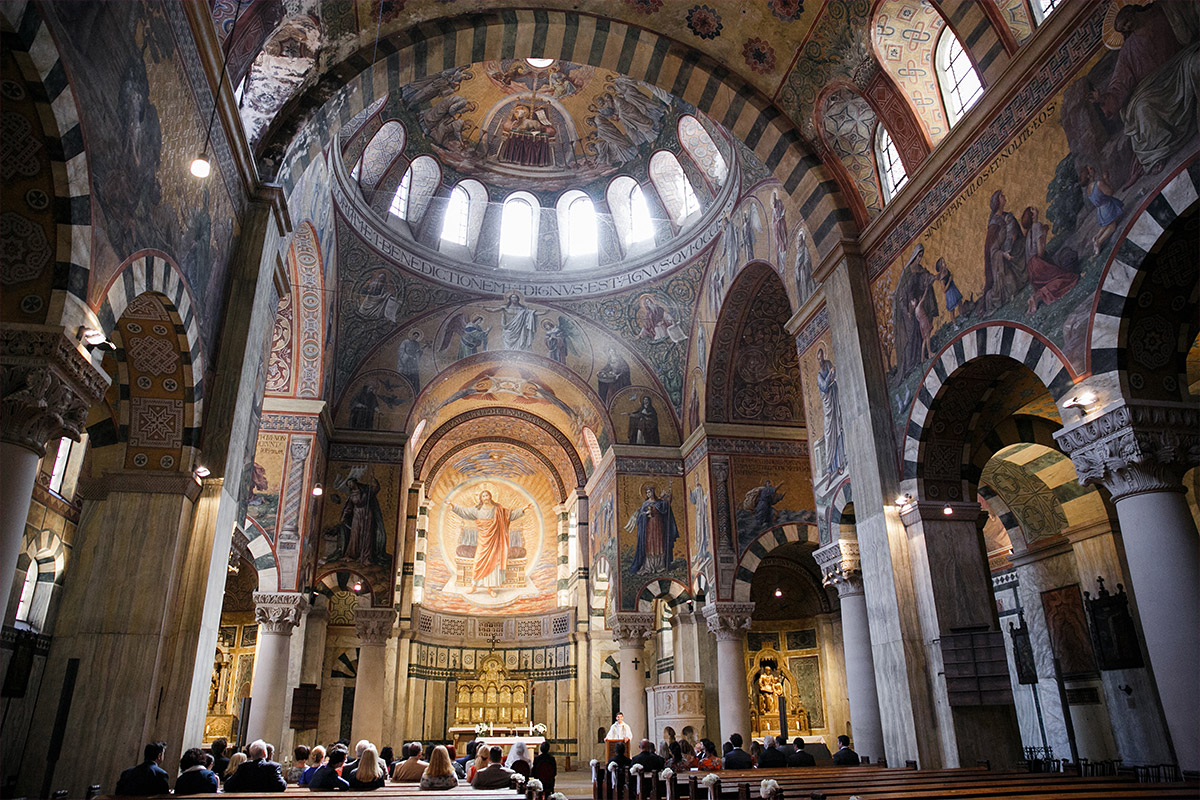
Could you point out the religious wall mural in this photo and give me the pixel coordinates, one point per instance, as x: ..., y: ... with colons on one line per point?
x: 769, y: 491
x: 700, y: 505
x: 1027, y: 239
x: 823, y: 412
x: 266, y: 480
x: 652, y: 516
x: 635, y: 413
x: 361, y: 509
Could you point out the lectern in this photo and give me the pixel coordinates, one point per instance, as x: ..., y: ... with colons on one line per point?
x: 610, y: 748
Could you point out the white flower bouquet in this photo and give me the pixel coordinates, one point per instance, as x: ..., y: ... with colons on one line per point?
x: 636, y: 769
x: 540, y: 729
x: 768, y: 788
x: 612, y: 766
x: 667, y: 774
x: 591, y: 764
x: 558, y: 796
x: 710, y: 780
x: 533, y: 784
x: 480, y: 728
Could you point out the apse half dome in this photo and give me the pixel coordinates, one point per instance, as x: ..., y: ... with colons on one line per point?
x: 538, y: 165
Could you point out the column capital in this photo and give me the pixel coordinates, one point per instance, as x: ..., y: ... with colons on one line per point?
x: 630, y: 628
x: 728, y: 621
x: 840, y: 566
x: 374, y: 625
x: 279, y: 612
x: 1135, y: 448
x: 48, y: 386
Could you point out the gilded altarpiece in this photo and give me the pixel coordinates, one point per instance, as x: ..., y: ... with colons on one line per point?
x: 492, y: 697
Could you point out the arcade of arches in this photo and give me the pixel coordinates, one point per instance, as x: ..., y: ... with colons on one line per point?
x: 761, y: 367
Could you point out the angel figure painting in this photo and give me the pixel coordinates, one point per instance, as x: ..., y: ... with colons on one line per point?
x: 472, y: 335
x: 560, y: 338
x: 657, y: 532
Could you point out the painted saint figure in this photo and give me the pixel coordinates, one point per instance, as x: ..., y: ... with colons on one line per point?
x: 1003, y: 256
x: 363, y: 407
x: 612, y: 377
x: 408, y: 359
x: 363, y: 519
x: 472, y: 336
x: 492, y: 539
x: 656, y: 530
x: 831, y: 412
x: 779, y: 225
x: 802, y: 267
x: 643, y: 423
x: 518, y: 321
x: 913, y: 303
x: 699, y: 499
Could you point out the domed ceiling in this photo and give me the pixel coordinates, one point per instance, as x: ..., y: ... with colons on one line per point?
x: 537, y: 124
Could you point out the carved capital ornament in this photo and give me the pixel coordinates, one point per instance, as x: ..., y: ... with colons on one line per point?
x: 374, y: 625
x: 1135, y: 448
x: 279, y: 612
x: 728, y: 621
x: 840, y: 566
x: 631, y: 629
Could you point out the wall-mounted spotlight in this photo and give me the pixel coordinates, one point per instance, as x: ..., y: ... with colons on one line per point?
x: 317, y: 491
x: 358, y: 586
x: 1081, y: 401
x: 202, y: 471
x: 903, y: 499
x: 93, y: 338
x: 779, y: 592
x: 947, y: 510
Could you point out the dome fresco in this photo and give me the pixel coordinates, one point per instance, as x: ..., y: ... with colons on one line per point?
x: 515, y: 126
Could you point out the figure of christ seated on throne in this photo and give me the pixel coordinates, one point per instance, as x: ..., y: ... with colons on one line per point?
x: 489, y: 554
x: 526, y: 138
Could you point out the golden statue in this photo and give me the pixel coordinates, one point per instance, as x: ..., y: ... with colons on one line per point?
x: 770, y: 688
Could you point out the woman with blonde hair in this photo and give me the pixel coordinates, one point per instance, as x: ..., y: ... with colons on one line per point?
x: 316, y: 757
x: 369, y: 774
x: 481, y: 763
x: 439, y: 775
x: 235, y: 761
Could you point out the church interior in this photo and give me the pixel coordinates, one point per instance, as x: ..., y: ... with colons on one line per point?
x: 406, y: 369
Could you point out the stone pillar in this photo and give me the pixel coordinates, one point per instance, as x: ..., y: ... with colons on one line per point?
x: 687, y: 655
x: 1139, y: 452
x: 277, y: 615
x: 287, y: 544
x: 316, y: 630
x: 840, y: 568
x: 48, y: 384
x: 630, y: 631
x: 374, y: 626
x: 729, y: 623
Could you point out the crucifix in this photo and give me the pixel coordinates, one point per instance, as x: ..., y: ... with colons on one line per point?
x: 636, y: 661
x: 493, y: 639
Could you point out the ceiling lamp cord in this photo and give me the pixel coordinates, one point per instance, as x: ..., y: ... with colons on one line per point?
x: 201, y: 167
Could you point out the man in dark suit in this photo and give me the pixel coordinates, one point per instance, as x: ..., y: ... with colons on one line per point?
x: 650, y: 761
x: 258, y: 774
x: 194, y: 778
x: 771, y: 756
x: 799, y: 758
x: 148, y: 777
x: 845, y: 757
x: 737, y: 758
x: 220, y: 760
x: 326, y: 778
x: 495, y: 775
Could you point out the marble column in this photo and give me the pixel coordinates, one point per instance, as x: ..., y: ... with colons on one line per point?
x: 277, y: 616
x: 630, y: 631
x: 1139, y: 453
x: 840, y: 568
x: 374, y: 626
x: 48, y: 384
x: 686, y: 651
x: 729, y: 623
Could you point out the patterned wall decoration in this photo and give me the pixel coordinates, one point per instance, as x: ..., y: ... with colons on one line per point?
x: 898, y: 117
x: 807, y: 670
x: 1017, y: 17
x: 905, y: 36
x: 384, y: 147
x: 283, y: 336
x: 848, y: 127
x: 1037, y: 510
x: 151, y: 358
x: 1044, y: 224
x: 27, y: 224
x: 304, y: 259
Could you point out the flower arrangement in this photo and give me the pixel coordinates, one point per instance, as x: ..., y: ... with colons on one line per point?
x: 540, y: 729
x: 558, y: 796
x: 481, y: 727
x: 667, y: 774
x: 533, y: 785
x: 768, y: 788
x: 710, y: 780
x: 591, y: 764
x: 519, y: 778
x: 636, y: 769
x: 612, y: 766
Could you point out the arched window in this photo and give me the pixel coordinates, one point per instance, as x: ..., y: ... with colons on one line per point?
x: 517, y: 227
x: 380, y: 152
x: 399, y: 206
x: 630, y: 214
x: 1042, y: 9
x: 957, y: 78
x: 424, y: 175
x: 703, y: 150
x: 581, y: 227
x: 25, y: 605
x: 678, y: 196
x: 887, y: 159
x: 59, y: 471
x: 454, y: 223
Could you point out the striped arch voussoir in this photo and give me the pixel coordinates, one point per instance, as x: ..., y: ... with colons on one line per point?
x: 1008, y: 341
x: 48, y: 550
x: 263, y: 556
x: 758, y: 550
x: 1138, y: 240
x: 465, y: 39
x: 152, y: 271
x: 674, y: 592
x: 26, y: 34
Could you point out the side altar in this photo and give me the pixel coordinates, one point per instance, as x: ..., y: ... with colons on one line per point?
x: 498, y: 700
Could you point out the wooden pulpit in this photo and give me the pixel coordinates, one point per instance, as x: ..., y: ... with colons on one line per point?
x: 610, y: 748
